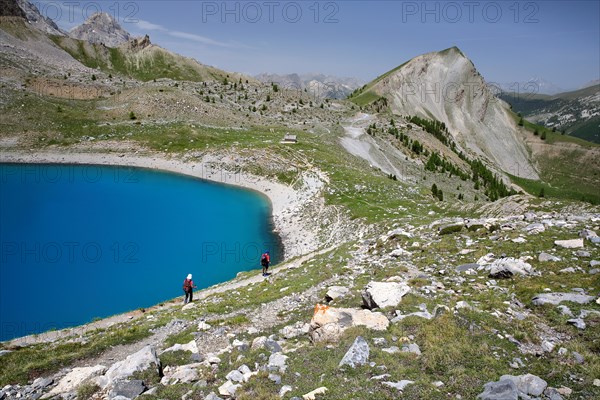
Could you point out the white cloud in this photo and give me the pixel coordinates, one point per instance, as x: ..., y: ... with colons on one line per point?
x: 149, y: 26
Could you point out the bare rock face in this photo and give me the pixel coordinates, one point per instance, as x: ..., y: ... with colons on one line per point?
x: 139, y: 43
x: 31, y: 13
x: 101, y: 28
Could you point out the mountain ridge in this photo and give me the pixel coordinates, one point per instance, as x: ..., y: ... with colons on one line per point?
x: 446, y: 87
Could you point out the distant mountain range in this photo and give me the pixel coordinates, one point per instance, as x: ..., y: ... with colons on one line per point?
x: 576, y: 113
x: 319, y: 85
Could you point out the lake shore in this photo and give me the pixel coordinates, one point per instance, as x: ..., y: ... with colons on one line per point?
x: 298, y: 237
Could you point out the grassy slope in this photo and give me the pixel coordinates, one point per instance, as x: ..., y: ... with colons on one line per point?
x: 463, y: 350
x: 565, y: 171
x: 528, y: 104
x: 150, y: 63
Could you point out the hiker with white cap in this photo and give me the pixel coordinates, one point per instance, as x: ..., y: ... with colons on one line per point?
x: 188, y: 288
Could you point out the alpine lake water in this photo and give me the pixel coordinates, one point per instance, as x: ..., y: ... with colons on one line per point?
x: 80, y: 242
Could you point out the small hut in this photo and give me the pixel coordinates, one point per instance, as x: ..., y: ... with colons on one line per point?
x: 289, y: 139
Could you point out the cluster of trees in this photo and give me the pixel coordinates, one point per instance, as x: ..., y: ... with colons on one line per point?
x: 435, y: 163
x: 437, y: 193
x: 494, y: 187
x: 435, y: 127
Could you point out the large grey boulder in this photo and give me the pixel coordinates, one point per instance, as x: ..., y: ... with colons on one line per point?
x: 328, y: 323
x: 357, y: 354
x: 142, y: 360
x: 557, y: 298
x: 528, y: 384
x: 507, y: 267
x: 384, y: 294
x: 502, y: 390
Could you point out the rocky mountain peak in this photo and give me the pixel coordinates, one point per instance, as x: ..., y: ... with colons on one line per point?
x: 447, y: 87
x: 101, y: 28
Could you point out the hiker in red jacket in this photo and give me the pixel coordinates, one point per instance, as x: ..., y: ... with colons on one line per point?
x: 265, y: 260
x: 188, y: 288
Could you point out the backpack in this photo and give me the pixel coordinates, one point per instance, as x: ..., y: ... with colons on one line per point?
x: 187, y: 285
x: 264, y: 260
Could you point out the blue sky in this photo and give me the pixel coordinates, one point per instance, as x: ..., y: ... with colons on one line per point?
x: 508, y: 41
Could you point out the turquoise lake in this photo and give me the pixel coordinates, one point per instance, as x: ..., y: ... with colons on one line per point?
x: 85, y: 242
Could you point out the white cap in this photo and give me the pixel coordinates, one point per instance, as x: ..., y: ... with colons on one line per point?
x: 189, y: 276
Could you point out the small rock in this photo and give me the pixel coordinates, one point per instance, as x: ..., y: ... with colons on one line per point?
x: 467, y: 267
x: 548, y: 346
x: 529, y: 384
x: 507, y: 267
x: 266, y: 343
x: 412, y: 348
x: 392, y: 350
x: 570, y: 244
x: 564, y: 391
x: 235, y: 376
x: 212, y: 396
x: 501, y: 390
x: 284, y: 390
x: 203, y: 326
x: 128, y: 389
x: 335, y: 292
x: 277, y: 362
x: 400, y: 385
x: 578, y: 323
x: 313, y: 395
x: 358, y: 354
x: 228, y: 389
x: 545, y: 257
